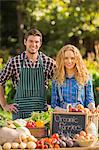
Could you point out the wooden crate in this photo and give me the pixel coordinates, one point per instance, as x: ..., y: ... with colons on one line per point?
x: 39, y: 132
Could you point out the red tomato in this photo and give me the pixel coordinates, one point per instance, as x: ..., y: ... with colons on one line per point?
x: 74, y: 110
x: 30, y: 124
x: 54, y: 140
x: 55, y: 135
x: 45, y: 146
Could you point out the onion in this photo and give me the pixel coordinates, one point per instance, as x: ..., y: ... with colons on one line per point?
x: 15, y: 145
x: 31, y: 145
x: 7, y: 146
x: 22, y: 145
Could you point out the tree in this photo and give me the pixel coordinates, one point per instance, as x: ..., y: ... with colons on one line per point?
x: 70, y: 21
x: 73, y: 21
x: 8, y: 24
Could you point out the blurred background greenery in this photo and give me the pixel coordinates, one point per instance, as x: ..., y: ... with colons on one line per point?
x: 61, y: 22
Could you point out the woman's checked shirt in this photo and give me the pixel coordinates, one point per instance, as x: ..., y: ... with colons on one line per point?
x: 69, y: 92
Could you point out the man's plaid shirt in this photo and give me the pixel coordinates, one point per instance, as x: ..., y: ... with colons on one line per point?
x: 12, y: 68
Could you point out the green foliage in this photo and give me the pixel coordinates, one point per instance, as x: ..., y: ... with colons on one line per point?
x: 60, y: 23
x: 70, y: 21
x: 93, y: 67
x: 8, y: 24
x: 96, y: 85
x: 9, y: 91
x: 4, y: 55
x: 1, y: 63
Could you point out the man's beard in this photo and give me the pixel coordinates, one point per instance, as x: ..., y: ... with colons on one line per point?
x: 31, y: 52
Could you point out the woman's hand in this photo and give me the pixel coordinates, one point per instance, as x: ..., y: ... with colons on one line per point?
x: 91, y: 106
x: 11, y: 108
x: 59, y: 109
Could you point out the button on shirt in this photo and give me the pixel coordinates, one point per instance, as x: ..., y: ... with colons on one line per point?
x: 69, y: 92
x: 12, y: 69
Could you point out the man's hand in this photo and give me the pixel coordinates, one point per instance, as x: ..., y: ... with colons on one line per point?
x: 11, y: 108
x: 4, y: 105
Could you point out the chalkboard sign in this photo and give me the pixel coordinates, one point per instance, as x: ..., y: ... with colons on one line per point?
x: 67, y: 123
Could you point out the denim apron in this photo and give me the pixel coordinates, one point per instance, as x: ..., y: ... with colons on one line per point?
x: 30, y: 92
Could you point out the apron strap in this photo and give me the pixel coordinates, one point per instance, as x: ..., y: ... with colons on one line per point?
x: 39, y: 59
x: 22, y: 63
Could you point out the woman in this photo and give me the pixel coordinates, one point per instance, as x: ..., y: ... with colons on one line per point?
x: 72, y: 83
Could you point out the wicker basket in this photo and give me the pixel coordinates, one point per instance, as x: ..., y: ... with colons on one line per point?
x: 94, y: 118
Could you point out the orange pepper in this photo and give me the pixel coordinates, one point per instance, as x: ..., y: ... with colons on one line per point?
x: 39, y: 123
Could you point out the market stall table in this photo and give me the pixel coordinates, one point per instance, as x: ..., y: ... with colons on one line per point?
x: 96, y: 147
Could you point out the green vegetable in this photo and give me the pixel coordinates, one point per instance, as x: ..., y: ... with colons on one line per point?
x: 44, y: 116
x: 3, y: 119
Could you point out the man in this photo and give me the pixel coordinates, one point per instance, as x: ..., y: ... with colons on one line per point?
x: 29, y: 72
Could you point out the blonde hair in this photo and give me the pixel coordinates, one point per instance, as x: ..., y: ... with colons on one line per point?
x: 81, y: 74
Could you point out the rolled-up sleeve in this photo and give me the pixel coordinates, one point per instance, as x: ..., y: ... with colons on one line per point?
x: 6, y: 72
x: 89, y: 98
x: 54, y: 95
